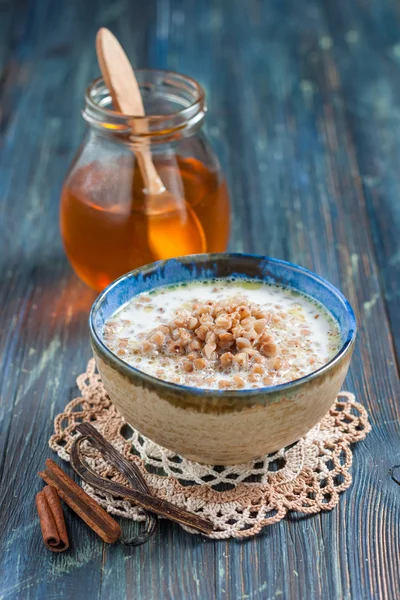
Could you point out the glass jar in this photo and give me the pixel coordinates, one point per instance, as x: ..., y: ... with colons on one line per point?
x: 110, y: 224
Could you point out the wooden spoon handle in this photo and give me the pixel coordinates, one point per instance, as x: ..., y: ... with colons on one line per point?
x: 124, y: 89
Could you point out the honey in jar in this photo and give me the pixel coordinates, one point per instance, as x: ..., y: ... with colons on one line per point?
x: 109, y: 223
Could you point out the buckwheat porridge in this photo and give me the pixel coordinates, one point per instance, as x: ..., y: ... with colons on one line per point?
x: 226, y: 334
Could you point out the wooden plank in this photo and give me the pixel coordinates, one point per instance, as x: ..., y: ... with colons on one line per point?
x: 43, y: 335
x: 52, y: 349
x: 313, y: 212
x: 172, y: 565
x: 278, y: 76
x: 372, y: 111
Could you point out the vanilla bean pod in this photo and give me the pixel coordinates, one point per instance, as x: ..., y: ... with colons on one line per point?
x: 139, y: 492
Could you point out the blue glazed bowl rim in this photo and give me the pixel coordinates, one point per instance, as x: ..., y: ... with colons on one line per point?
x: 244, y: 393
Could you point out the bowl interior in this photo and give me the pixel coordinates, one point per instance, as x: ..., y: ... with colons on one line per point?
x: 208, y: 266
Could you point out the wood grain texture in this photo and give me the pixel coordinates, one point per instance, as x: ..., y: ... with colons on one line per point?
x: 304, y: 105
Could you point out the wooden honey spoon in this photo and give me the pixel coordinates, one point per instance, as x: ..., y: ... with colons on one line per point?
x: 173, y: 227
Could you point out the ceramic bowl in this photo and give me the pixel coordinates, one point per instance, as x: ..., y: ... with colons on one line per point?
x: 216, y: 426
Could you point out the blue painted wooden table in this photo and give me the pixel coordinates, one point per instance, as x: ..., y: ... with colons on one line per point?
x: 304, y: 112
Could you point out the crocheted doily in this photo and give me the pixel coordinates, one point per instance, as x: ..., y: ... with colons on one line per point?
x: 306, y: 477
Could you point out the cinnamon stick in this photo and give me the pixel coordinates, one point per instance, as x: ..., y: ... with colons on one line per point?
x: 81, y: 503
x: 52, y: 521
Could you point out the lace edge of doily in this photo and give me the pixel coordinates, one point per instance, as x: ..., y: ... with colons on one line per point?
x: 276, y: 498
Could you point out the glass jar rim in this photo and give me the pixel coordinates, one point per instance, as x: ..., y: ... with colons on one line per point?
x: 192, y: 113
